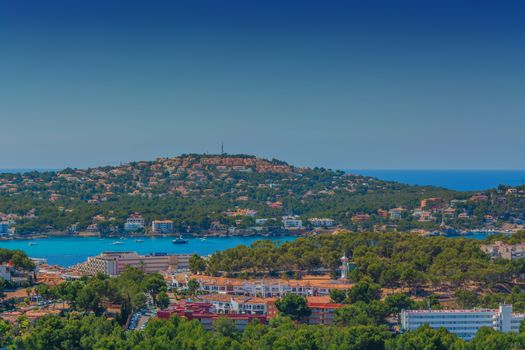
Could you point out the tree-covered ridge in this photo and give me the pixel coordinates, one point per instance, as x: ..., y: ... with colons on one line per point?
x: 197, y: 190
x: 389, y: 259
x: 364, y: 321
x: 77, y: 332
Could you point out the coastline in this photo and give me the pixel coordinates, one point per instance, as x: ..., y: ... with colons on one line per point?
x: 149, y: 235
x: 297, y: 233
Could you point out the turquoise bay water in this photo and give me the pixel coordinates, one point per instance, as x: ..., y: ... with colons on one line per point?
x: 67, y: 251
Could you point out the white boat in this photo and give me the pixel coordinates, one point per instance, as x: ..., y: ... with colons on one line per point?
x: 179, y: 240
x: 117, y: 242
x: 139, y: 240
x: 32, y: 243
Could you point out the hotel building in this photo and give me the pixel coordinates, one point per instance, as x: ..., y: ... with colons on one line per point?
x: 114, y: 263
x: 463, y: 323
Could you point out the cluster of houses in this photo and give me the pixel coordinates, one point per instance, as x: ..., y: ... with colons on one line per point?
x: 185, y: 174
x: 241, y: 310
x: 188, y: 175
x: 438, y: 210
x: 243, y: 300
x: 136, y: 223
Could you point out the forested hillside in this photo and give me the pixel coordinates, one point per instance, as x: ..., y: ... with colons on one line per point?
x: 200, y: 192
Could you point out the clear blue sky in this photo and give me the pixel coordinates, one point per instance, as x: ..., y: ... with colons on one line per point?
x: 342, y: 84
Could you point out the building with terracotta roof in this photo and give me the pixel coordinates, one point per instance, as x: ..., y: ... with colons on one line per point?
x: 203, y: 313
x: 322, y: 313
x: 480, y: 197
x: 360, y: 217
x: 135, y: 222
x: 322, y: 309
x: 396, y: 213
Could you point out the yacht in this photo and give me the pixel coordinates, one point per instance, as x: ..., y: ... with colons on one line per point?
x: 179, y: 240
x: 117, y: 242
x: 139, y: 240
x: 32, y: 243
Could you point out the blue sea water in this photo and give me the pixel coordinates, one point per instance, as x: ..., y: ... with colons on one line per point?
x: 67, y: 251
x: 460, y: 180
x: 25, y: 170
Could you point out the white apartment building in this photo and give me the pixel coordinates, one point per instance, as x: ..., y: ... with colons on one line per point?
x: 134, y: 223
x: 162, y: 226
x: 463, y: 323
x: 4, y: 228
x: 226, y: 304
x: 114, y: 263
x: 262, y: 287
x: 261, y: 221
x: 321, y: 222
x: 292, y: 223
